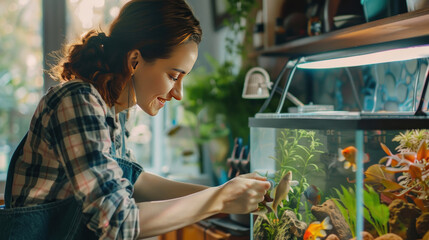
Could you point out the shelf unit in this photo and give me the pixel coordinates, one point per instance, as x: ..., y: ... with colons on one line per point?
x: 400, y: 31
x: 397, y: 31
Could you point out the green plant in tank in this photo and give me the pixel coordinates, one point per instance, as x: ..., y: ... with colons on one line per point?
x: 271, y: 228
x: 297, y: 150
x: 347, y: 205
x: 376, y: 213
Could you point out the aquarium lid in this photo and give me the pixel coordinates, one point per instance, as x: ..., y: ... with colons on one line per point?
x: 330, y: 114
x: 391, y: 55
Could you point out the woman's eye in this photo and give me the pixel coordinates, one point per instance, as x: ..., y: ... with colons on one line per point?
x: 173, y: 78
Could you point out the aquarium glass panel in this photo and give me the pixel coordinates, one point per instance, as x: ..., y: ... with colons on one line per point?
x: 341, y: 182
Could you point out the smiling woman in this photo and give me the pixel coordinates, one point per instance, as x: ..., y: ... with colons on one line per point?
x: 145, y: 132
x: 160, y: 81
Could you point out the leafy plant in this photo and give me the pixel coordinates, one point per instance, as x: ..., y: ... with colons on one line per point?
x: 296, y: 151
x: 218, y: 91
x: 410, y: 140
x: 347, y: 206
x: 271, y: 227
x: 414, y: 167
x: 376, y: 213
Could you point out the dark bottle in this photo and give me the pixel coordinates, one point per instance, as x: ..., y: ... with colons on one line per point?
x: 280, y: 32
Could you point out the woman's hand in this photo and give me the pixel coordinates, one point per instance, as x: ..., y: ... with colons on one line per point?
x: 243, y: 193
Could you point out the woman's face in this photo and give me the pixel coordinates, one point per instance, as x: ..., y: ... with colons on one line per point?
x: 157, y: 82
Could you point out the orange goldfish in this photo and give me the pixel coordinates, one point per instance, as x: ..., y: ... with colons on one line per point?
x: 317, y: 229
x: 348, y: 155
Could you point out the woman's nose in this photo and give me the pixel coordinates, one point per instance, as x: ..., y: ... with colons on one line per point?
x: 177, y: 91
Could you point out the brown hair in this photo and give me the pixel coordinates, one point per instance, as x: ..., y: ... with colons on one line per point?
x: 154, y: 27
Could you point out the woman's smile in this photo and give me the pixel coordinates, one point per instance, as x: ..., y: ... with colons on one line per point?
x: 162, y: 101
x: 158, y: 82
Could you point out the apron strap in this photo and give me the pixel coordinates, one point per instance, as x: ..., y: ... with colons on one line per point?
x: 122, y: 120
x: 11, y: 171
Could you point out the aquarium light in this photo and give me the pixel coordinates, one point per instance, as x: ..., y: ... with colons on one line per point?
x: 393, y: 55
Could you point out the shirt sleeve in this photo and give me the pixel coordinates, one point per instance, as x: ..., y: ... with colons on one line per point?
x: 82, y: 142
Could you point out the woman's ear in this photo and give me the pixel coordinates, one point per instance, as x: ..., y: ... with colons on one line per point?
x: 133, y: 57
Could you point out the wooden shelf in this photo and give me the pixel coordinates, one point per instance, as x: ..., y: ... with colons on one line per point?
x: 402, y: 30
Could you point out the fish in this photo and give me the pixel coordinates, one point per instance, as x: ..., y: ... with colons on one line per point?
x: 282, y: 191
x: 317, y: 229
x: 174, y: 130
x: 348, y: 156
x: 312, y: 194
x: 186, y: 153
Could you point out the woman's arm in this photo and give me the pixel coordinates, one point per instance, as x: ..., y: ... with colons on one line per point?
x: 150, y: 187
x: 240, y: 195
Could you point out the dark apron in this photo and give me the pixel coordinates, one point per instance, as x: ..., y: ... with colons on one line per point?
x: 57, y: 220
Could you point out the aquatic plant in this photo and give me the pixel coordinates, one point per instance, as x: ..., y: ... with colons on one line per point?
x: 414, y: 181
x: 271, y: 228
x: 410, y: 140
x: 347, y: 206
x: 376, y: 213
x: 296, y: 152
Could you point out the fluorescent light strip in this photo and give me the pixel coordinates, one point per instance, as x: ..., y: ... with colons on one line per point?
x: 393, y: 55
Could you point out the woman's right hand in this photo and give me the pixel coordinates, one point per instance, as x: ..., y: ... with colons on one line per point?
x: 243, y: 193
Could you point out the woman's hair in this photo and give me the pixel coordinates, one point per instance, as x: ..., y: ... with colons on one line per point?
x: 155, y: 27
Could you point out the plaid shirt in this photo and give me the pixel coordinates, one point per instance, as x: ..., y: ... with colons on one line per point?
x: 68, y: 153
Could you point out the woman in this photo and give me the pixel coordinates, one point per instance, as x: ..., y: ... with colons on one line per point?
x: 73, y: 178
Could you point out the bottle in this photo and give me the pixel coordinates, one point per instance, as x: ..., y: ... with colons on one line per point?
x: 280, y: 32
x: 258, y: 32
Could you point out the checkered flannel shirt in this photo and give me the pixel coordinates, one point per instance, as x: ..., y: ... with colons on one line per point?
x: 68, y: 154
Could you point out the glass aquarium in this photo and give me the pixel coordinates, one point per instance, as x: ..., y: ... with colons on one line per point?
x: 348, y: 174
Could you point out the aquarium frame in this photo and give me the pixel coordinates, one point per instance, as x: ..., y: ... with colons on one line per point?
x: 342, y: 120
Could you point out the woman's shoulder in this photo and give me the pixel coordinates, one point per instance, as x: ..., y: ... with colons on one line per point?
x: 75, y: 88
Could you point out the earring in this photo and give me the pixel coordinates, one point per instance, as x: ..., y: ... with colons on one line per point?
x: 132, y: 82
x: 132, y: 76
x: 134, y: 87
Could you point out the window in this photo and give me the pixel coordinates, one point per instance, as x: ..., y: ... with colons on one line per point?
x: 84, y: 15
x: 21, y: 75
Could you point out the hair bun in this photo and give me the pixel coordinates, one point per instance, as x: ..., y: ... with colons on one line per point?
x: 98, y: 40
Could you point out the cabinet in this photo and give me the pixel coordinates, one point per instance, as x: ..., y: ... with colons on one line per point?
x: 199, y: 232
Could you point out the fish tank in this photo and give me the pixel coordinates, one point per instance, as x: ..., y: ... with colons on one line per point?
x: 347, y: 174
x: 341, y: 175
